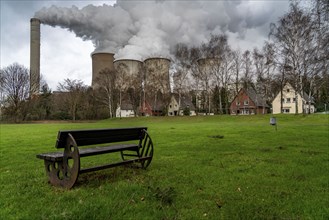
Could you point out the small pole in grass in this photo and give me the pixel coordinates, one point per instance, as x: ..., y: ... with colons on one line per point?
x: 273, y: 122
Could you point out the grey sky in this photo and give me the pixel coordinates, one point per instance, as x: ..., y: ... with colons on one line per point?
x: 63, y: 55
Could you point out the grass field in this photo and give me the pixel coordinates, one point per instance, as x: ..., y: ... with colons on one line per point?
x: 216, y: 167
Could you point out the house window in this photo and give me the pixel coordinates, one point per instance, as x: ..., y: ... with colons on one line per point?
x: 170, y: 106
x: 288, y: 100
x: 285, y: 110
x: 246, y: 102
x: 237, y: 103
x: 288, y: 90
x: 282, y: 100
x: 294, y: 100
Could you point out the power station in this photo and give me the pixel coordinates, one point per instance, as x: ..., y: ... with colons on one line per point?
x: 153, y: 73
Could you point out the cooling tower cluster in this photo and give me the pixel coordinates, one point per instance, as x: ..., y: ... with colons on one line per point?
x: 153, y: 73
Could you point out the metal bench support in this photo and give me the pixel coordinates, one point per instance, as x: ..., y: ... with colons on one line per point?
x: 65, y: 173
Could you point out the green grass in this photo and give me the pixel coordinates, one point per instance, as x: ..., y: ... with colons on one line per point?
x: 218, y: 167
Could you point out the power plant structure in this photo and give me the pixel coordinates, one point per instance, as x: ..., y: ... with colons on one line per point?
x: 152, y: 75
x: 208, y: 65
x: 157, y: 75
x: 100, y: 62
x: 35, y: 57
x: 132, y: 71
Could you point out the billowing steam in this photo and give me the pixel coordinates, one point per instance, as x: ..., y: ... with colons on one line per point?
x: 140, y: 29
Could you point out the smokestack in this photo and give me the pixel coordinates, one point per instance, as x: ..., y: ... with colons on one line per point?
x: 100, y: 62
x: 35, y: 57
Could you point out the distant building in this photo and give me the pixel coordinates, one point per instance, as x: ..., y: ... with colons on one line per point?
x: 304, y: 104
x: 248, y: 102
x: 126, y: 110
x: 152, y: 108
x: 177, y: 105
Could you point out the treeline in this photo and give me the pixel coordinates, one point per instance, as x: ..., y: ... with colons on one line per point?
x: 210, y: 74
x: 297, y: 52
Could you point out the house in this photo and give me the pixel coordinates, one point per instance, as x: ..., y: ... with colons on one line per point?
x: 248, y: 102
x: 177, y: 105
x: 126, y: 110
x: 304, y: 104
x: 152, y: 108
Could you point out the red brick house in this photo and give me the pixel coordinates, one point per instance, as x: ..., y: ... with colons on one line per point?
x: 248, y: 102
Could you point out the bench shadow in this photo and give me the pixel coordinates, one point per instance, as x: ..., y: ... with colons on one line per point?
x: 129, y: 173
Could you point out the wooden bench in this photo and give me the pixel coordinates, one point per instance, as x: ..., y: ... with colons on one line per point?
x: 63, y: 168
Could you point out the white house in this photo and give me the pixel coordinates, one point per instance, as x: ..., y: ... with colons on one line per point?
x: 126, y: 110
x: 176, y: 107
x: 289, y: 102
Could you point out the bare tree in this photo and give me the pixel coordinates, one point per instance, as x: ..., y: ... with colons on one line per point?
x: 72, y: 91
x: 317, y: 64
x: 260, y: 67
x: 293, y: 38
x: 14, y: 88
x: 183, y: 66
x: 270, y: 68
x: 107, y: 91
x: 223, y: 73
x: 237, y: 68
x: 122, y: 81
x: 247, y: 69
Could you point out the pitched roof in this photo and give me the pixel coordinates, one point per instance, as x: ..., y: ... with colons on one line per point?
x: 256, y: 98
x: 125, y: 105
x: 185, y: 102
x: 305, y: 95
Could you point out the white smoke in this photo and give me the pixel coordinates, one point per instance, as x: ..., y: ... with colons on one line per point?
x: 141, y: 29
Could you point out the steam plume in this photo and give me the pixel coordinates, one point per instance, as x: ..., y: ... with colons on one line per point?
x: 140, y: 29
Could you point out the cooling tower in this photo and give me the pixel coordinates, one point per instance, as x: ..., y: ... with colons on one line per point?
x: 35, y: 56
x: 100, y: 62
x: 131, y: 68
x: 157, y: 75
x: 208, y: 65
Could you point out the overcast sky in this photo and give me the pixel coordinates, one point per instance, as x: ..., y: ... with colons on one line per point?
x: 132, y: 29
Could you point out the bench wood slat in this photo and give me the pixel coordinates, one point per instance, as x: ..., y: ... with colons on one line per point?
x: 99, y: 136
x: 108, y: 149
x: 52, y: 156
x: 58, y: 156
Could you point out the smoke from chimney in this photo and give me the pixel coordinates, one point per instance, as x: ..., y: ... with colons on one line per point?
x: 143, y: 29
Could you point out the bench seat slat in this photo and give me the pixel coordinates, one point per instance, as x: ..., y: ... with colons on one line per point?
x: 58, y: 156
x: 108, y: 149
x: 52, y: 156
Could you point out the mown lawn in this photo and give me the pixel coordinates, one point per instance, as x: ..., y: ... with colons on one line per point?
x: 216, y: 167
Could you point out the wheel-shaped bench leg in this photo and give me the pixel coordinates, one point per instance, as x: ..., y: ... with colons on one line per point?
x: 146, y: 150
x: 65, y: 173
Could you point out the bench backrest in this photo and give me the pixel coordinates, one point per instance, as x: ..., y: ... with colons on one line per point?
x: 100, y: 136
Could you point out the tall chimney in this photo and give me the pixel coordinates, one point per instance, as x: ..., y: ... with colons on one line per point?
x: 35, y: 57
